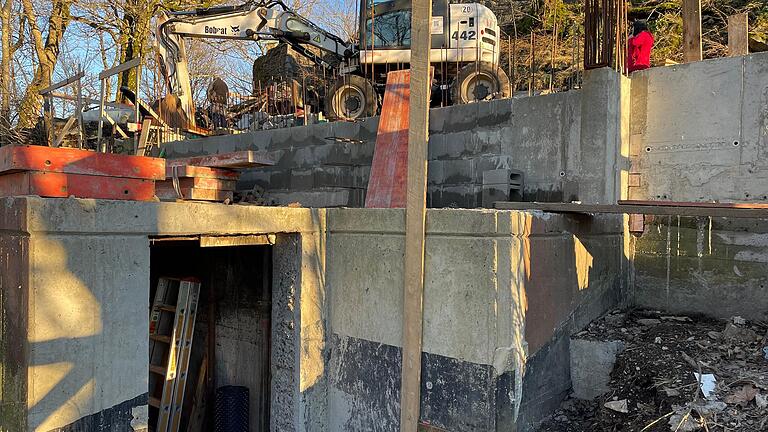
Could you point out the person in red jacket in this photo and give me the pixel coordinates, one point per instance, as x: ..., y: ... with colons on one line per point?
x: 639, y: 47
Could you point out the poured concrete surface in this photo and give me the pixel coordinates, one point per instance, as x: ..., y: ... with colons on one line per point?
x: 502, y: 288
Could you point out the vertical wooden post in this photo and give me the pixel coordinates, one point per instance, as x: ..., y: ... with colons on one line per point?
x: 415, y: 214
x: 99, y: 132
x: 738, y: 35
x: 692, y: 30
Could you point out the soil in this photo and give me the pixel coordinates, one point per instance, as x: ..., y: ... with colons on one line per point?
x: 655, y: 375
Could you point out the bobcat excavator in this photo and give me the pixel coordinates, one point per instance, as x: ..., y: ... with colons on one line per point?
x: 465, y: 46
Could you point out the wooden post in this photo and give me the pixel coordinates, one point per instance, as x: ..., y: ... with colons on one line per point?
x: 692, y: 31
x: 738, y: 35
x: 415, y: 214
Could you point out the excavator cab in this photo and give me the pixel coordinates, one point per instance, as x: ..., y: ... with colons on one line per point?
x: 465, y: 51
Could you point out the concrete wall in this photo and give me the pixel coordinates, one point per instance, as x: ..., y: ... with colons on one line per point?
x: 700, y: 133
x: 566, y: 144
x: 503, y: 291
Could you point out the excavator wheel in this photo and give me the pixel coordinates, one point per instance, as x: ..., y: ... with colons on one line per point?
x: 352, y: 97
x: 480, y: 81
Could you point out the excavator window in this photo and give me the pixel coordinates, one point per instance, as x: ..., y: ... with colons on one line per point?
x: 389, y: 30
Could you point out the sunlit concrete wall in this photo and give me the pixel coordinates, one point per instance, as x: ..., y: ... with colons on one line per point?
x: 75, y: 304
x: 699, y: 132
x: 502, y: 292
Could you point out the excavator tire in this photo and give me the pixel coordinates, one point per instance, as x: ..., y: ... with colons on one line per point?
x: 352, y: 97
x: 480, y: 81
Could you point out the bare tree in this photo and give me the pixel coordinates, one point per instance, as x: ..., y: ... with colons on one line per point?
x: 47, y: 53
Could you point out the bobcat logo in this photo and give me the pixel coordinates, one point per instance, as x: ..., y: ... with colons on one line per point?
x: 235, y: 29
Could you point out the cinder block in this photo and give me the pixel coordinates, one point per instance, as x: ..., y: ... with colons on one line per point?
x: 435, y: 172
x: 280, y: 179
x: 503, y: 176
x: 333, y: 176
x: 591, y: 366
x: 457, y: 171
x: 301, y: 179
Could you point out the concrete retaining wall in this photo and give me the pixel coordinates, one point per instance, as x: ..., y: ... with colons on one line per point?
x: 503, y: 291
x: 566, y: 145
x: 700, y: 133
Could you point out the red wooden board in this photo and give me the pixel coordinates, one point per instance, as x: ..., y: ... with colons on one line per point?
x: 77, y: 161
x: 62, y: 185
x: 200, y: 182
x: 386, y: 187
x: 201, y: 172
x: 240, y: 159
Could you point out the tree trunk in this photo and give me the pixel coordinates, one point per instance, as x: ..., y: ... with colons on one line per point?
x: 133, y: 44
x: 5, y: 67
x: 48, y: 55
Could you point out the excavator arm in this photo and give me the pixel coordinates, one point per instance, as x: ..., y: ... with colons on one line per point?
x: 263, y: 20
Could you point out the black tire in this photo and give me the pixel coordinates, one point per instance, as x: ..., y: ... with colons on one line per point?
x: 351, y: 98
x: 480, y: 81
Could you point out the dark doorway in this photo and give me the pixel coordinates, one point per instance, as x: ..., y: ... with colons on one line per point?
x: 231, y: 343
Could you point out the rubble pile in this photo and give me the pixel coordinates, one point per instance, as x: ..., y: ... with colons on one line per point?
x: 675, y: 373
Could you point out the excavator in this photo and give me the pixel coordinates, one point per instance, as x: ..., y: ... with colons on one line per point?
x: 465, y: 49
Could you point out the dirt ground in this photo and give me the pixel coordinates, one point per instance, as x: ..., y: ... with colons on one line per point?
x: 655, y: 375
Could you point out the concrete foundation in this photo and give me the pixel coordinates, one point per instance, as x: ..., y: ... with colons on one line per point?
x: 495, y: 309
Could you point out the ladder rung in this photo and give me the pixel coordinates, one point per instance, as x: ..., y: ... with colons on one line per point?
x: 161, y: 338
x: 155, y: 402
x: 167, y: 307
x: 157, y: 369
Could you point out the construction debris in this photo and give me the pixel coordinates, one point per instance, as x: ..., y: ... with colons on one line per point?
x: 653, y: 376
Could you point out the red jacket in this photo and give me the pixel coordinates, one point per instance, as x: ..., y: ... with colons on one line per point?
x: 639, y: 51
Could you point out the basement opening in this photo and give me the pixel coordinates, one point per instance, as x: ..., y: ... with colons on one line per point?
x: 221, y: 373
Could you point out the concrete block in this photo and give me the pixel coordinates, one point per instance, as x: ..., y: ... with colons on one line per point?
x: 460, y: 196
x: 333, y: 176
x: 435, y: 172
x: 458, y: 171
x: 503, y: 176
x: 302, y: 179
x: 499, y: 192
x: 591, y: 366
x: 280, y: 179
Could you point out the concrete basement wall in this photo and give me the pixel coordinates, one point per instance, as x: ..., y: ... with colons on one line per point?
x: 566, y: 144
x: 699, y: 132
x: 504, y: 290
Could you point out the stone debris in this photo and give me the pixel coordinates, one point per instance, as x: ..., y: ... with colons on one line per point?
x: 656, y: 374
x: 618, y: 406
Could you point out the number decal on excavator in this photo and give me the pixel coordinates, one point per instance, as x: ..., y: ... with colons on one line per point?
x: 465, y: 35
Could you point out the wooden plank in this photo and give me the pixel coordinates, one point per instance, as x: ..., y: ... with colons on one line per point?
x: 119, y: 68
x: 237, y: 240
x: 201, y: 172
x: 415, y: 214
x: 386, y: 186
x: 738, y: 35
x: 659, y: 210
x: 78, y: 161
x: 194, y: 194
x: 62, y: 185
x: 65, y: 130
x: 61, y: 84
x: 241, y: 159
x: 201, y: 182
x: 692, y: 31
